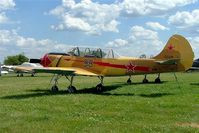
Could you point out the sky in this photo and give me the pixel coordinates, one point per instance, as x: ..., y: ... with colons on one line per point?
x: 130, y: 27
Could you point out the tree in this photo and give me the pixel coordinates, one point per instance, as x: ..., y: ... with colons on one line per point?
x: 16, y: 59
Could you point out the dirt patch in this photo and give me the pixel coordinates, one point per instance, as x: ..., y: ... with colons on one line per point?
x: 194, y: 125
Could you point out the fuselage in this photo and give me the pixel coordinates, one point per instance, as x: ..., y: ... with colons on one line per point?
x: 108, y: 66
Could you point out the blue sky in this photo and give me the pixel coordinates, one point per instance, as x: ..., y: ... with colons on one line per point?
x: 131, y: 27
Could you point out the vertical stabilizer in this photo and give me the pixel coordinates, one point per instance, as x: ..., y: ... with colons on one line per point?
x: 178, y: 47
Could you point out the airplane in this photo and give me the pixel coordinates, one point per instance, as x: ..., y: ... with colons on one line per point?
x: 2, y: 71
x: 176, y: 56
x: 195, y: 65
x: 25, y: 67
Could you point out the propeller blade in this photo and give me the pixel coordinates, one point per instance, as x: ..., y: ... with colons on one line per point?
x: 35, y: 60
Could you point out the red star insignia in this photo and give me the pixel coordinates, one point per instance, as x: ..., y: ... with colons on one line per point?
x: 170, y: 47
x: 130, y: 67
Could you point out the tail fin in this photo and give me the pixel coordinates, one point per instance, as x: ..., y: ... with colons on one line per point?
x: 178, y: 47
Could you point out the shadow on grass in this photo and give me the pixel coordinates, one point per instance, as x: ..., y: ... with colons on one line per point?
x: 40, y: 92
x: 105, y: 92
x: 140, y: 83
x: 196, y: 84
x: 154, y: 95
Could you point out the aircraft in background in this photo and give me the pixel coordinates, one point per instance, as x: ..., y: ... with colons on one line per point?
x: 195, y: 65
x: 25, y: 67
x: 176, y: 56
x: 2, y: 71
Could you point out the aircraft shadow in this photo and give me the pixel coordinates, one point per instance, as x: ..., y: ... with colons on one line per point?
x: 197, y: 84
x: 106, y: 92
x: 154, y: 95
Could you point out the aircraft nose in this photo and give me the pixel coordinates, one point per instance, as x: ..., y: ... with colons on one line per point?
x: 45, y: 61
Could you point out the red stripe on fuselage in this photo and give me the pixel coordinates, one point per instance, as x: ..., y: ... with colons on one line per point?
x: 129, y: 66
x: 134, y: 67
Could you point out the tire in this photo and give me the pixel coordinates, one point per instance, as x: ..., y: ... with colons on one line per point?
x: 72, y: 89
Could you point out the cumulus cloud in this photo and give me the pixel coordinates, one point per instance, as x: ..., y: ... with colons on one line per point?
x: 117, y: 43
x: 5, y: 5
x: 140, y: 41
x: 12, y: 43
x: 87, y: 16
x: 151, y: 7
x: 156, y: 26
x: 194, y: 41
x: 185, y: 19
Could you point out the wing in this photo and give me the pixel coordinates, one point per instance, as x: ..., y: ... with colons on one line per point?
x: 23, y: 69
x: 168, y: 62
x: 65, y: 71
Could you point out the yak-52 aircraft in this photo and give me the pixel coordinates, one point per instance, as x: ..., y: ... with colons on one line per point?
x: 176, y: 56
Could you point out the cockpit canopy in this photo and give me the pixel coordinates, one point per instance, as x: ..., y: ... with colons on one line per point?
x: 93, y: 52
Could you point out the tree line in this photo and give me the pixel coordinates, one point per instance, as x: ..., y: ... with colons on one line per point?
x: 16, y: 59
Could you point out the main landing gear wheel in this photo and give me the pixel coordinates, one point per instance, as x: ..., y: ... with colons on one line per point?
x: 157, y: 80
x: 72, y: 89
x: 54, y: 88
x: 129, y: 81
x: 99, y: 87
x: 145, y: 81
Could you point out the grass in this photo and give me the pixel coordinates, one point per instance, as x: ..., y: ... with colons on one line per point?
x: 27, y: 105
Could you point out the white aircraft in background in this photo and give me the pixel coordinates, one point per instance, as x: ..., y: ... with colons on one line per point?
x: 26, y: 67
x: 2, y: 71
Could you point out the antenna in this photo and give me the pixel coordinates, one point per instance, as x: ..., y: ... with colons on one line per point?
x: 176, y: 78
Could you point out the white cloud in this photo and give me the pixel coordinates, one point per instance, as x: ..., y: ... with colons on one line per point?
x: 151, y: 7
x: 117, y: 43
x: 185, y: 19
x: 86, y: 16
x: 156, y: 26
x: 5, y: 5
x: 140, y: 41
x: 12, y: 43
x: 194, y: 41
x: 3, y: 17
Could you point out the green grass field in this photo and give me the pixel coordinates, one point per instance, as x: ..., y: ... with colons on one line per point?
x: 27, y: 105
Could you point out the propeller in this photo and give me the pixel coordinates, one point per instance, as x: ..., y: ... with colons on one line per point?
x: 35, y: 61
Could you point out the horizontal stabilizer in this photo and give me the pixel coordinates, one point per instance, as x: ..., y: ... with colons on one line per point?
x: 168, y: 62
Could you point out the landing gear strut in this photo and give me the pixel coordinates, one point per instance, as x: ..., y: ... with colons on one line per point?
x: 100, y: 86
x: 129, y: 80
x: 54, y: 88
x: 71, y: 88
x: 145, y: 80
x: 157, y: 80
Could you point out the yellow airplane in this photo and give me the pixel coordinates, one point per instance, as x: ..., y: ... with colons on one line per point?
x: 176, y: 56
